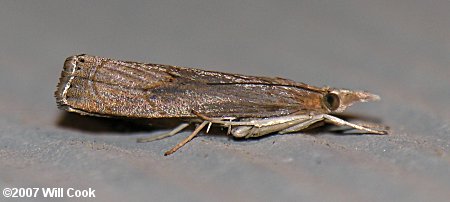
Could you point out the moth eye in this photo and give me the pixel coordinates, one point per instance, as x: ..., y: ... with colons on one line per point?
x: 331, y: 101
x: 81, y: 60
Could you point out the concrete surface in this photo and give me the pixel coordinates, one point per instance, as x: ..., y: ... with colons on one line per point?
x: 398, y: 49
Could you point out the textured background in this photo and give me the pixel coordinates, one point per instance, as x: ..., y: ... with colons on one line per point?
x: 398, y: 49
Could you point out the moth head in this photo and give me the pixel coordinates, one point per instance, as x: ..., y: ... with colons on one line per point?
x: 337, y: 100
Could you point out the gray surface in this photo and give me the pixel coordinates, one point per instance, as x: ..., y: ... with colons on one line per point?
x: 398, y: 49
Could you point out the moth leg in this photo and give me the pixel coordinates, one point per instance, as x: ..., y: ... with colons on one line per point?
x: 340, y: 122
x: 300, y: 126
x: 241, y: 131
x: 164, y: 135
x: 279, y: 124
x: 187, y: 139
x: 221, y: 120
x: 261, y: 122
x: 296, y: 125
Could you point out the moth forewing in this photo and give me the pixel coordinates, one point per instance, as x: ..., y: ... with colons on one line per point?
x: 249, y: 106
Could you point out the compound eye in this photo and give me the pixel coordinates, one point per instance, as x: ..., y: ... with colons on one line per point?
x: 331, y: 101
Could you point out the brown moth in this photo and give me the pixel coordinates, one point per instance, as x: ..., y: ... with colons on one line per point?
x: 249, y: 106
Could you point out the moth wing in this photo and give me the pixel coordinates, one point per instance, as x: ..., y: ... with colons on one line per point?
x: 218, y: 94
x: 104, y: 87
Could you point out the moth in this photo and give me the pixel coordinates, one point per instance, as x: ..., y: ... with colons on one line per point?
x: 248, y: 106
